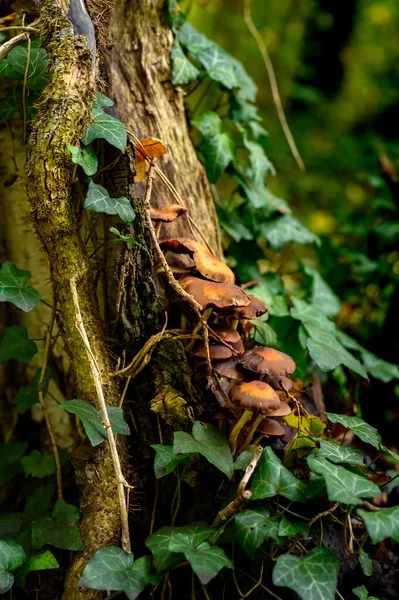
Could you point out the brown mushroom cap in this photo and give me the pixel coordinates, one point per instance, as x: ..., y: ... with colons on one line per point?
x: 225, y: 333
x: 216, y: 351
x: 207, y: 264
x: 256, y: 396
x: 282, y: 411
x: 211, y: 294
x: 230, y: 369
x: 168, y: 214
x: 267, y: 360
x: 256, y: 308
x: 270, y: 427
x: 285, y: 382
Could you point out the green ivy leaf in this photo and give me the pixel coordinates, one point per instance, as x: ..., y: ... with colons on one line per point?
x: 10, y: 524
x: 337, y: 453
x: 260, y: 164
x: 288, y: 528
x: 208, y: 441
x: 92, y: 420
x: 13, y: 288
x: 99, y: 200
x: 324, y: 348
x: 191, y: 39
x: 60, y: 530
x: 366, y: 563
x: 252, y: 527
x: 367, y: 433
x: 362, y: 593
x: 127, y: 239
x: 10, y: 455
x: 316, y: 487
x: 12, y: 555
x: 313, y: 577
x: 322, y: 296
x: 195, y: 533
x: 86, y: 158
x: 39, y: 502
x: 37, y: 75
x: 206, y: 561
x: 243, y: 459
x: 273, y: 478
x: 381, y: 524
x: 10, y: 103
x: 183, y: 71
x: 105, y: 126
x: 284, y: 229
x: 38, y: 465
x: 166, y: 460
x: 217, y: 149
x: 36, y: 562
x: 15, y: 344
x: 343, y: 485
x: 27, y: 395
x: 112, y: 569
x: 378, y: 368
x: 218, y: 65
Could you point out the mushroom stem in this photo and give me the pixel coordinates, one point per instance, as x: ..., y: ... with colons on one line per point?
x: 158, y: 225
x: 183, y: 321
x: 234, y: 323
x: 252, y: 431
x: 235, y: 432
x: 206, y: 314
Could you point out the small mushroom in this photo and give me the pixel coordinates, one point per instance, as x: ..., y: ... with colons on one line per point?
x: 166, y: 215
x: 253, y: 397
x: 270, y: 427
x: 256, y: 308
x: 207, y: 264
x: 225, y: 333
x: 280, y: 383
x: 216, y: 351
x: 214, y: 295
x: 230, y: 369
x: 267, y: 361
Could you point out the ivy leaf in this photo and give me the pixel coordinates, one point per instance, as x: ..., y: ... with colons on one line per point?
x: 195, y: 533
x: 101, y: 101
x: 38, y: 465
x: 15, y: 344
x: 366, y: 563
x: 362, y: 593
x: 28, y: 396
x: 166, y: 460
x: 208, y: 441
x: 217, y: 149
x: 218, y: 65
x: 12, y: 555
x: 92, y: 420
x: 273, y: 478
x: 342, y: 485
x: 378, y: 368
x: 112, y: 569
x: 244, y: 458
x: 206, y: 561
x: 37, y: 75
x: 36, y: 562
x: 316, y: 487
x: 284, y: 229
x: 288, y: 528
x: 10, y: 103
x: 10, y: 525
x: 39, y: 501
x: 260, y: 164
x: 322, y: 295
x: 381, y: 524
x: 99, y: 200
x: 313, y: 577
x: 337, y: 453
x: 367, y: 433
x: 105, y: 127
x: 252, y: 527
x: 60, y: 530
x: 10, y: 455
x: 192, y: 39
x: 13, y: 288
x: 183, y: 71
x: 86, y: 158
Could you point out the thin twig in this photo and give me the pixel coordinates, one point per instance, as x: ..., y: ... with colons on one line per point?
x: 197, y: 308
x: 273, y: 83
x: 6, y: 47
x: 339, y: 595
x: 96, y: 374
x: 24, y: 86
x: 323, y: 514
x: 124, y: 391
x: 350, y: 541
x: 204, y: 590
x: 53, y: 440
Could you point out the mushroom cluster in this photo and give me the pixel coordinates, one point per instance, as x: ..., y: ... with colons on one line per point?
x: 252, y: 384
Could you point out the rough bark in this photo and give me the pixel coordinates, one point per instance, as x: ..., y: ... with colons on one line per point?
x: 139, y: 75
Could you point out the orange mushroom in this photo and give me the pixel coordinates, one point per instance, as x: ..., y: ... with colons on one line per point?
x: 216, y: 351
x: 210, y: 294
x: 166, y: 215
x: 267, y: 361
x: 207, y: 264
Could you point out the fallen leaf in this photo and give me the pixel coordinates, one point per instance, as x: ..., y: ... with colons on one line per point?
x: 153, y: 148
